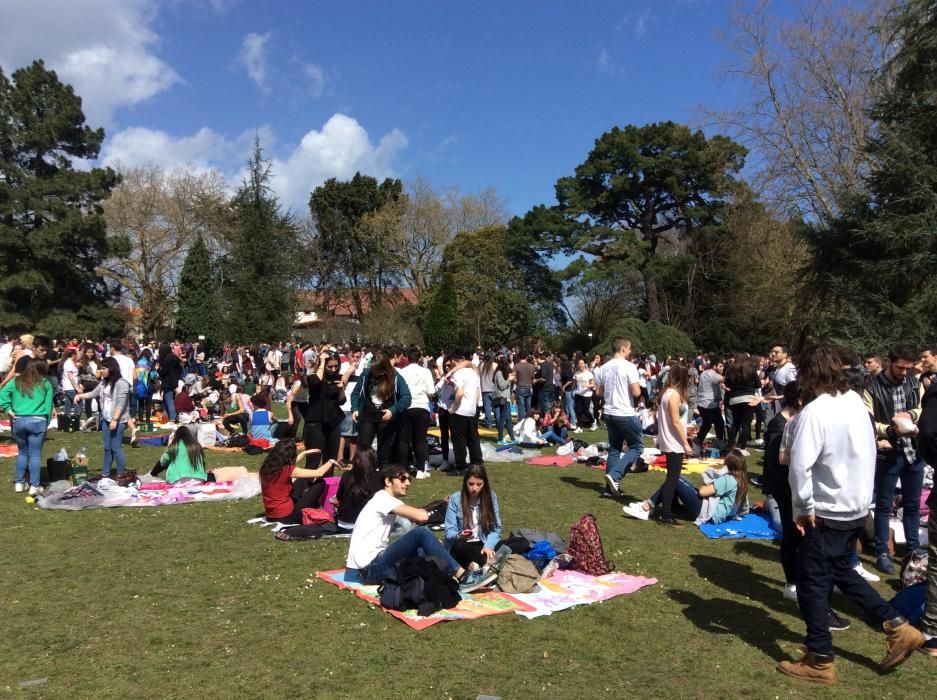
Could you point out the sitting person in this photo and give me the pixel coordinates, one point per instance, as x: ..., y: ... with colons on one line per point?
x: 355, y: 489
x: 473, y: 523
x: 527, y: 432
x: 184, y: 458
x: 555, y: 425
x: 283, y: 498
x: 715, y: 503
x: 371, y: 555
x: 183, y: 401
x: 262, y: 421
x: 237, y: 410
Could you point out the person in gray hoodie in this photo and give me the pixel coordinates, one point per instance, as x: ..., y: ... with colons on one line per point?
x: 832, y: 470
x: 113, y: 395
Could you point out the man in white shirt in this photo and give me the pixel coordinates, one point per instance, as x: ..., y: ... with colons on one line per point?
x: 126, y: 373
x: 415, y: 421
x: 832, y: 473
x: 372, y: 557
x: 784, y: 372
x: 463, y: 419
x: 618, y: 383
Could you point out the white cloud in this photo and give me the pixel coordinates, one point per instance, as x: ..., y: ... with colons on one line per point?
x: 316, y: 77
x: 253, y: 57
x: 636, y: 21
x: 607, y: 65
x: 339, y: 149
x: 104, y: 48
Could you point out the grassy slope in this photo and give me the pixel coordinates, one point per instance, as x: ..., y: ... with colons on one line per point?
x: 181, y: 600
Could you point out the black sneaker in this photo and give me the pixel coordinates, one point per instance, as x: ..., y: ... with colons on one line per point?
x: 837, y: 623
x: 669, y: 521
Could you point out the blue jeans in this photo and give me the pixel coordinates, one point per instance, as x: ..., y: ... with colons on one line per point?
x: 113, y: 447
x: 552, y: 436
x: 824, y: 559
x: 524, y: 397
x: 887, y: 474
x: 70, y: 406
x: 503, y: 414
x: 29, y: 433
x: 487, y: 396
x: 570, y: 407
x: 623, y: 431
x: 686, y: 493
x: 169, y: 405
x: 545, y: 398
x: 418, y: 542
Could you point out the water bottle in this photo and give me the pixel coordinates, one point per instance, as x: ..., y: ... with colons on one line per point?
x: 61, y: 456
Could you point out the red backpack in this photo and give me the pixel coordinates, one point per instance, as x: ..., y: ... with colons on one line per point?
x: 585, y: 548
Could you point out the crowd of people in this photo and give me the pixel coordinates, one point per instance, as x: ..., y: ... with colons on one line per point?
x: 839, y: 433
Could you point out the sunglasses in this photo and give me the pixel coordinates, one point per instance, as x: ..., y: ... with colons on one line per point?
x: 403, y: 477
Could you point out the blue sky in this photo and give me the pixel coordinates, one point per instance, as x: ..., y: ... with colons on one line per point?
x: 503, y: 94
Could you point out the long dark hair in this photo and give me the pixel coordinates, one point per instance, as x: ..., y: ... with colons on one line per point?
x: 164, y: 353
x: 738, y: 468
x: 362, y: 470
x: 486, y: 509
x: 282, y: 455
x: 741, y: 372
x: 113, y: 372
x: 32, y: 376
x: 488, y: 366
x: 679, y: 378
x: 505, y: 367
x: 83, y: 358
x: 382, y: 372
x: 196, y: 454
x: 820, y: 372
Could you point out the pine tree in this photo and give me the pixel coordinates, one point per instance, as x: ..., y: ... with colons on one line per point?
x: 263, y: 261
x: 197, y: 309
x: 52, y: 234
x: 441, y: 329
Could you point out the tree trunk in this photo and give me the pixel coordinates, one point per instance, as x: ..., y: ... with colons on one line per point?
x: 653, y: 300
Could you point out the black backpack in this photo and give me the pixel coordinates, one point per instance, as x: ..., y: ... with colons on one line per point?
x: 419, y: 583
x: 927, y: 425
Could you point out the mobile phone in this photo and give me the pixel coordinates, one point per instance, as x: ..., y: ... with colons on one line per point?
x: 466, y: 533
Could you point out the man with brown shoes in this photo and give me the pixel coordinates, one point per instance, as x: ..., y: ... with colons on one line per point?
x: 832, y: 471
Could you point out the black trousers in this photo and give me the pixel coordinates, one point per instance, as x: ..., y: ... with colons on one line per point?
x: 322, y: 436
x: 298, y: 412
x: 674, y: 467
x: 712, y: 417
x: 307, y: 493
x: 241, y: 419
x: 583, y: 406
x: 385, y: 432
x: 443, y: 416
x: 742, y: 415
x: 414, y: 422
x: 465, y: 435
x: 466, y: 552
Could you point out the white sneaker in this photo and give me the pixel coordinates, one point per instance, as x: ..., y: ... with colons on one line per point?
x: 33, y: 490
x: 18, y: 487
x: 636, y: 510
x: 594, y: 427
x: 790, y: 592
x: 423, y: 475
x: 867, y: 575
x: 578, y: 430
x: 745, y: 453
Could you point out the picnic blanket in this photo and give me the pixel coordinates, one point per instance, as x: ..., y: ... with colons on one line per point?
x: 8, y: 450
x: 690, y: 466
x: 566, y: 589
x: 552, y: 460
x: 482, y: 432
x: 107, y: 494
x: 471, y: 607
x: 754, y: 526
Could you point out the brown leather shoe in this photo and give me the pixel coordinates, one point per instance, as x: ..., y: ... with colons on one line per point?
x: 901, y: 638
x: 811, y: 667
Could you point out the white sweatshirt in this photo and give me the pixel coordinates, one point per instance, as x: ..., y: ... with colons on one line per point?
x: 832, y: 471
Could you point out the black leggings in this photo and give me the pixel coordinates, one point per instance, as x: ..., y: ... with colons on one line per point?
x: 712, y: 417
x: 307, y: 493
x: 385, y: 431
x: 322, y: 436
x: 583, y: 406
x: 442, y: 415
x: 240, y: 419
x: 298, y: 412
x: 466, y: 552
x: 790, y: 543
x: 674, y: 466
x: 412, y: 437
x: 742, y: 415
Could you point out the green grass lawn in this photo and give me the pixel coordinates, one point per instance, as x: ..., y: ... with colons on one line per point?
x: 188, y: 600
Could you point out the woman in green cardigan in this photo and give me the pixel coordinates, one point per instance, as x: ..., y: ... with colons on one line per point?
x: 28, y: 401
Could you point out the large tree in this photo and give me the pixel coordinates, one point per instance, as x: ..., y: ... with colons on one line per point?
x: 635, y: 204
x: 262, y: 261
x: 52, y: 233
x: 871, y: 275
x: 197, y: 309
x: 152, y: 218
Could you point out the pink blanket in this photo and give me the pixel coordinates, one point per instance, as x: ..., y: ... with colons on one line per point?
x: 551, y: 460
x: 567, y: 589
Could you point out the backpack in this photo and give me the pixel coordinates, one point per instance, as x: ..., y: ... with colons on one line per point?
x: 914, y: 567
x: 518, y: 575
x: 585, y: 548
x: 927, y: 425
x: 141, y: 379
x: 419, y: 583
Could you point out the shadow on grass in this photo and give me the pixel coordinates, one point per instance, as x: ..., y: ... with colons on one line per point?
x: 741, y: 580
x: 758, y: 550
x: 597, y: 487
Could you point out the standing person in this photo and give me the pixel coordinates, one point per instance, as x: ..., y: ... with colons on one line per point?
x: 126, y: 364
x: 568, y: 390
x: 28, y: 401
x: 143, y: 375
x: 784, y: 371
x: 113, y: 395
x: 893, y: 400
x: 873, y: 363
x: 445, y: 393
x: 349, y: 436
x: 832, y: 471
x: 597, y: 402
x: 743, y: 389
x: 71, y: 386
x: 709, y: 401
x: 297, y: 403
x: 617, y: 383
x: 524, y: 373
x: 88, y: 373
x: 378, y: 399
x: 324, y: 417
x: 927, y: 444
x: 463, y: 421
x: 486, y: 376
x: 672, y: 416
x: 416, y: 419
x: 547, y: 393
x: 170, y: 373
x: 502, y: 401
x: 584, y: 387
